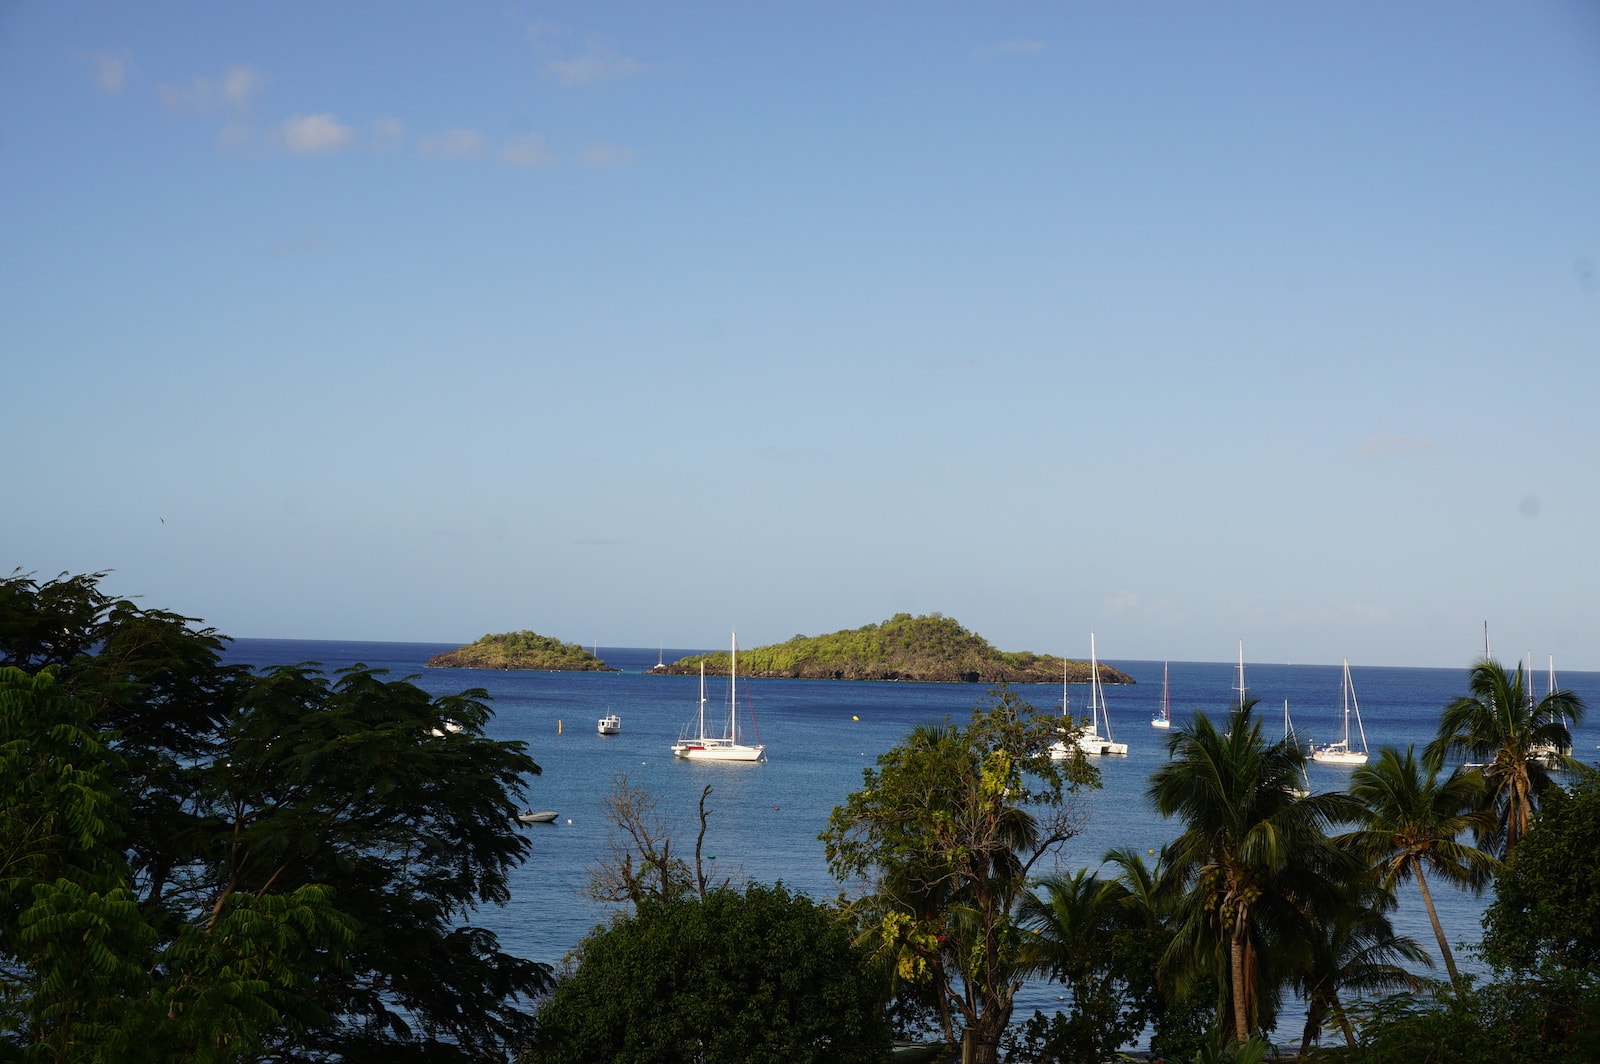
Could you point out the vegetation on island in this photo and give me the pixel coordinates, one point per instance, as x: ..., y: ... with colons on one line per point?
x: 931, y: 649
x: 520, y: 650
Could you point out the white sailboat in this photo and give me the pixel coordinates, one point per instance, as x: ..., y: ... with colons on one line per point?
x: 1090, y: 741
x: 1341, y: 752
x: 1290, y: 737
x: 1058, y: 749
x: 1163, y: 716
x: 1550, y: 753
x: 700, y: 746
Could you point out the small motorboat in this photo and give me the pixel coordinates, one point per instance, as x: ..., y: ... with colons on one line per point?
x: 610, y: 724
x: 528, y: 816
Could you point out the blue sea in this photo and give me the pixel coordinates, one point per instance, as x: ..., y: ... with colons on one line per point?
x: 821, y: 734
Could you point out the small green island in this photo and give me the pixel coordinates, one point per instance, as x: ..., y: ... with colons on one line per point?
x: 928, y: 649
x: 520, y: 650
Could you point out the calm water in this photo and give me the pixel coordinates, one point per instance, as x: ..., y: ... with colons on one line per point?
x: 821, y: 734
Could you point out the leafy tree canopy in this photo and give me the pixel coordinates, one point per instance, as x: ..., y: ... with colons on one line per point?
x: 201, y: 863
x: 1547, y: 901
x: 943, y: 835
x: 741, y: 977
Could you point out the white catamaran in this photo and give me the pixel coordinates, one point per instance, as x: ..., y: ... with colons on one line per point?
x: 1341, y: 752
x: 1089, y: 739
x: 700, y: 746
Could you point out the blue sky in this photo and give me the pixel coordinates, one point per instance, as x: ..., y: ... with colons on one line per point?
x: 1183, y: 324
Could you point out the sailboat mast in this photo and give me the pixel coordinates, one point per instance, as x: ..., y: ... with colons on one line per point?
x: 702, y: 699
x: 733, y: 688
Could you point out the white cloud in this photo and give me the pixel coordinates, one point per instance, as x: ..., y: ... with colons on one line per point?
x: 526, y: 149
x: 602, y: 155
x: 315, y: 134
x: 235, y: 89
x: 388, y: 134
x: 1022, y: 47
x: 454, y: 144
x: 1387, y: 446
x: 109, y: 71
x: 600, y: 64
x: 238, y: 85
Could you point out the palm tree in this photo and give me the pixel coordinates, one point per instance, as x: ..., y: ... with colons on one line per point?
x: 1075, y: 923
x: 1355, y: 949
x: 1513, y: 741
x: 1254, y: 860
x: 1411, y: 821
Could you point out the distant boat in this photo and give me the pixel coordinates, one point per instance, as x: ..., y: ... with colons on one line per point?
x: 1163, y: 716
x: 701, y: 746
x: 1341, y: 752
x: 1294, y: 740
x: 1089, y: 740
x: 1550, y: 753
x: 610, y: 724
x: 528, y: 816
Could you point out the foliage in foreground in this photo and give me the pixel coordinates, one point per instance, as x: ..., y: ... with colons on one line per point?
x: 1551, y: 1020
x: 199, y: 863
x: 740, y: 977
x: 943, y: 836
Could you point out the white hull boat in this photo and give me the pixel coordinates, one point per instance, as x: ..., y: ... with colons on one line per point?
x: 699, y: 745
x: 1341, y: 752
x: 1090, y: 740
x: 1163, y: 716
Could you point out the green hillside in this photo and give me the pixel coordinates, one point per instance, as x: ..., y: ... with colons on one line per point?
x: 932, y: 648
x: 520, y: 650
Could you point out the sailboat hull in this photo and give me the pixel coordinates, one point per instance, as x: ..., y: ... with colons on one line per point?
x: 1338, y: 754
x: 711, y: 750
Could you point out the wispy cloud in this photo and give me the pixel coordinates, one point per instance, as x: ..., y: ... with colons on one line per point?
x: 595, y: 66
x: 454, y: 144
x: 234, y: 90
x: 527, y: 149
x: 1022, y: 47
x: 604, y: 155
x: 387, y: 134
x: 315, y: 135
x: 1389, y: 446
x: 109, y: 71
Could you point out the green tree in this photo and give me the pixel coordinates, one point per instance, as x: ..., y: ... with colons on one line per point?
x: 1076, y: 924
x: 1252, y: 866
x: 739, y: 977
x: 1412, y: 823
x: 943, y: 835
x: 230, y: 864
x: 1515, y: 742
x: 1546, y: 910
x: 1354, y: 948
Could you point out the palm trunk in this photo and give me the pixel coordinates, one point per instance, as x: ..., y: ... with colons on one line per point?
x: 1241, y: 1015
x: 1438, y: 932
x: 1344, y: 1021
